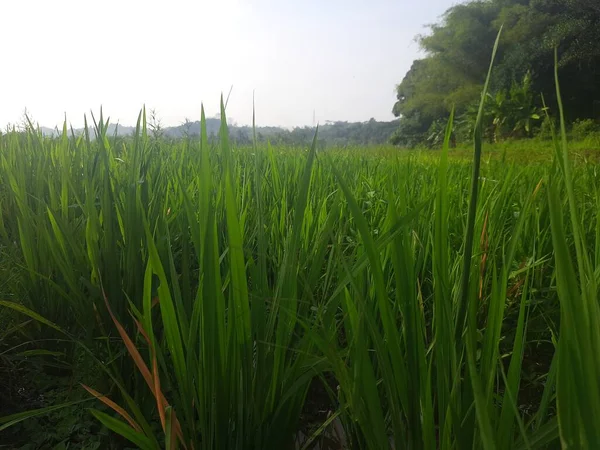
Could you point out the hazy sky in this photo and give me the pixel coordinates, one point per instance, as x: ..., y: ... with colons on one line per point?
x: 340, y: 59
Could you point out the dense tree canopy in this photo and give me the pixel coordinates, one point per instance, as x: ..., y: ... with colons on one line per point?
x: 458, y: 50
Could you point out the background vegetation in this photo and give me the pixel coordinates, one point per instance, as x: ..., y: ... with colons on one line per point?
x: 336, y: 134
x: 452, y: 73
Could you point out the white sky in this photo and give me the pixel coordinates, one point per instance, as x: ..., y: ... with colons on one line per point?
x: 341, y: 59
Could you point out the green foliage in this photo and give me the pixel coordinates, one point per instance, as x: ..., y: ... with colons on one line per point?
x: 411, y: 131
x: 518, y: 112
x: 509, y: 113
x: 453, y: 71
x: 338, y: 134
x: 584, y: 129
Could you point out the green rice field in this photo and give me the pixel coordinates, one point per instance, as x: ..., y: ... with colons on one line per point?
x: 195, y: 294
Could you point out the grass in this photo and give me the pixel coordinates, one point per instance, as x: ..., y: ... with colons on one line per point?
x: 210, y: 288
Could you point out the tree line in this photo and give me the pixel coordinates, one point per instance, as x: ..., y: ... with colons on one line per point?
x: 457, y: 55
x: 330, y: 134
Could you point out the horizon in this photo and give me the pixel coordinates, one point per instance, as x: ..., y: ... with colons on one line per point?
x: 303, y: 64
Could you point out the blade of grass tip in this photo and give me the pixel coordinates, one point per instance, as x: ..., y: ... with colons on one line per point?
x: 205, y: 180
x: 144, y: 124
x: 228, y: 95
x: 555, y: 142
x: 64, y: 193
x: 470, y: 230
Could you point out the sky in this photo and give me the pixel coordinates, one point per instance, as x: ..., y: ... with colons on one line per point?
x: 301, y: 60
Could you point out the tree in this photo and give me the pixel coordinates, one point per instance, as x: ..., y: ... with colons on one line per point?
x: 458, y: 49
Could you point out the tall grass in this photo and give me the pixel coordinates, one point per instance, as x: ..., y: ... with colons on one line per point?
x: 216, y: 286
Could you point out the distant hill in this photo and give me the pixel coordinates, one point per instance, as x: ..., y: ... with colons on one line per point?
x: 338, y: 133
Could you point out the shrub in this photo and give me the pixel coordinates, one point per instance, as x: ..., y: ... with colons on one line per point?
x: 584, y: 129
